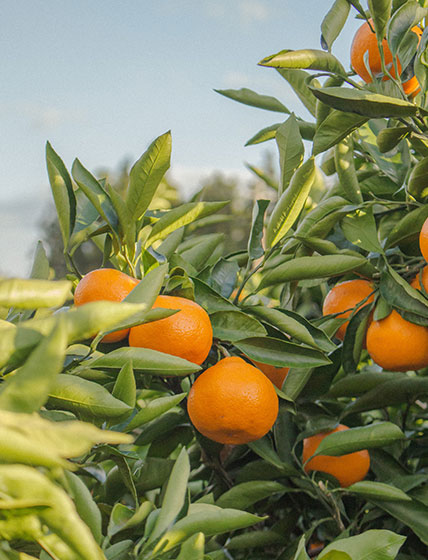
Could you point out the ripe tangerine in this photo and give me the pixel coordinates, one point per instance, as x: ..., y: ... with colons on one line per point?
x: 348, y: 468
x: 188, y: 334
x: 423, y: 240
x: 276, y: 374
x: 346, y: 296
x: 396, y: 344
x: 232, y: 402
x: 105, y: 284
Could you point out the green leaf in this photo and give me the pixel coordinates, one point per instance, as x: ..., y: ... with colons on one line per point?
x: 127, y: 224
x: 388, y: 138
x: 125, y: 388
x: 153, y: 409
x: 209, y: 299
x: 365, y: 103
x: 413, y: 514
x: 355, y: 338
x: 199, y: 255
x: 291, y: 150
x: 303, y: 268
x: 30, y: 439
x: 95, y: 193
x: 193, y: 548
x: 301, y: 550
x: 298, y: 81
x: 34, y: 293
x: 85, y: 504
x: 147, y: 290
x: 243, y: 495
x: 378, y: 490
x: 334, y: 128
x: 356, y: 439
x: 235, y: 325
x: 28, y: 388
x: 55, y: 525
x: 182, y: 216
x: 213, y: 521
x: 249, y: 97
x: 290, y: 203
x: 355, y: 385
x: 333, y: 23
x: 123, y: 518
x: 146, y: 175
x: 294, y: 325
x: 174, y: 496
x: 360, y: 229
x: 417, y: 184
x: 391, y: 393
x: 410, y: 303
x: 255, y: 247
x: 144, y: 360
x: 381, y: 13
x: 263, y: 135
x: 408, y: 227
x: 85, y: 398
x: 345, y: 167
x: 280, y: 353
x: 63, y: 194
x: 310, y: 59
x: 40, y: 269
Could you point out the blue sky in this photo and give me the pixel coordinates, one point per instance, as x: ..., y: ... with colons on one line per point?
x: 100, y: 79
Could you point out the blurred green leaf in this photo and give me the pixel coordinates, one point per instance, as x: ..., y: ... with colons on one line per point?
x: 33, y: 293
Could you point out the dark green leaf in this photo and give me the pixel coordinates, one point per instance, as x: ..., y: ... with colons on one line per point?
x: 235, y: 325
x: 381, y: 13
x: 402, y: 22
x: 365, y: 103
x: 280, y: 353
x: 249, y: 97
x: 303, y: 268
x: 255, y: 247
x: 356, y: 439
x: 334, y: 128
x: 418, y: 184
x: 291, y: 150
x: 333, y: 23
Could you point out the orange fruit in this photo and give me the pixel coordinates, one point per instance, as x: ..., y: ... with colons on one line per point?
x: 348, y: 469
x: 276, y: 374
x: 365, y: 42
x: 188, y: 334
x: 105, y: 284
x: 396, y: 344
x: 423, y: 240
x: 416, y: 283
x: 232, y: 402
x: 345, y: 296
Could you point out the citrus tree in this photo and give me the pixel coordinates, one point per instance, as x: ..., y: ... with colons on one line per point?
x: 184, y: 402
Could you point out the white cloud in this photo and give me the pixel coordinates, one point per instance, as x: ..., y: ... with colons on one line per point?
x: 43, y: 117
x: 253, y: 11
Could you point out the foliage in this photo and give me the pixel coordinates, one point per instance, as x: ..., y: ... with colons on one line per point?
x: 98, y: 457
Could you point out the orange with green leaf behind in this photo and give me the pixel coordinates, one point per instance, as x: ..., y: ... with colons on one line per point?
x: 276, y: 374
x: 423, y: 240
x: 416, y: 282
x: 187, y: 334
x: 396, y: 344
x: 344, y: 297
x: 365, y: 45
x: 232, y: 402
x: 105, y: 284
x: 348, y: 469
